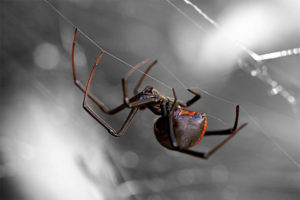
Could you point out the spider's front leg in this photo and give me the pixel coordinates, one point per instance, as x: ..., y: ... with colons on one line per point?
x: 125, y: 85
x: 136, y: 104
x: 79, y: 84
x: 98, y: 118
x: 93, y: 97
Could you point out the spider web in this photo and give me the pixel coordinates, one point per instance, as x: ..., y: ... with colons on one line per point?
x: 255, y: 68
x: 249, y: 164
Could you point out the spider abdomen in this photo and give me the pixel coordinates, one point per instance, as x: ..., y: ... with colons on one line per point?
x: 188, y: 126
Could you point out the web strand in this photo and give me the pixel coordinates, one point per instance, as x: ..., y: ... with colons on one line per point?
x: 253, y: 55
x: 280, y: 54
x: 185, y: 87
x: 122, y: 61
x: 186, y: 16
x: 271, y: 138
x: 174, y: 76
x: 249, y: 52
x: 264, y: 76
x: 97, y: 45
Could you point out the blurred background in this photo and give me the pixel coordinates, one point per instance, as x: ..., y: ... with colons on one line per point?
x: 50, y: 148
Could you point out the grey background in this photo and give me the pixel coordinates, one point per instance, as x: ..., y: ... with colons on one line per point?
x: 52, y: 149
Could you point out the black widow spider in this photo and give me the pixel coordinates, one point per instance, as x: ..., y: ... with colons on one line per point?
x: 177, y: 129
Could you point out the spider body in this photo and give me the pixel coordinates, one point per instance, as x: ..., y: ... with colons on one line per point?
x: 158, y: 100
x: 177, y: 129
x: 189, y: 128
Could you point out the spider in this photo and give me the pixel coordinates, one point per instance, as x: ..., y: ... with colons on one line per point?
x: 176, y: 129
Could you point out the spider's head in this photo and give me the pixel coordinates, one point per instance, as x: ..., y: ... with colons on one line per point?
x: 148, y: 89
x: 151, y: 91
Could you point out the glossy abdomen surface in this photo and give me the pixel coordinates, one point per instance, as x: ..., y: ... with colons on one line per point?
x: 188, y: 126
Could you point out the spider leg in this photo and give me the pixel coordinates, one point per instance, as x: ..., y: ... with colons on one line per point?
x: 215, y: 149
x: 206, y: 155
x: 226, y: 131
x: 125, y: 82
x: 191, y: 101
x: 107, y: 126
x: 139, y: 102
x: 175, y: 103
x: 99, y: 119
x: 187, y: 104
x: 144, y: 76
x: 166, y: 113
x: 79, y: 84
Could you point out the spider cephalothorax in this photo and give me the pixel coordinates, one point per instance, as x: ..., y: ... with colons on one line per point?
x: 176, y: 129
x: 158, y: 99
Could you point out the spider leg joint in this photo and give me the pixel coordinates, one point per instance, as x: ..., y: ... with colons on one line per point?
x: 127, y: 102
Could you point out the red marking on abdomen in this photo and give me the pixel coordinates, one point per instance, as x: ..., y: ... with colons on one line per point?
x: 204, y: 128
x: 187, y: 112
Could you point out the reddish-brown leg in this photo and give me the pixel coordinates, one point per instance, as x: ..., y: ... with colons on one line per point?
x: 144, y: 76
x: 182, y: 104
x: 191, y: 101
x: 129, y: 102
x: 211, y: 152
x: 134, y: 104
x: 125, y: 80
x: 205, y: 155
x: 78, y: 83
x: 98, y: 118
x: 175, y: 104
x: 226, y: 131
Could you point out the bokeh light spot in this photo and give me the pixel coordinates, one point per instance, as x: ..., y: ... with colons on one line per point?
x: 130, y: 159
x: 186, y: 177
x: 46, y: 56
x: 230, y: 193
x: 219, y: 173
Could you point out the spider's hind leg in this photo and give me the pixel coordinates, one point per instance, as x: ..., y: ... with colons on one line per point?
x: 226, y: 131
x: 205, y: 155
